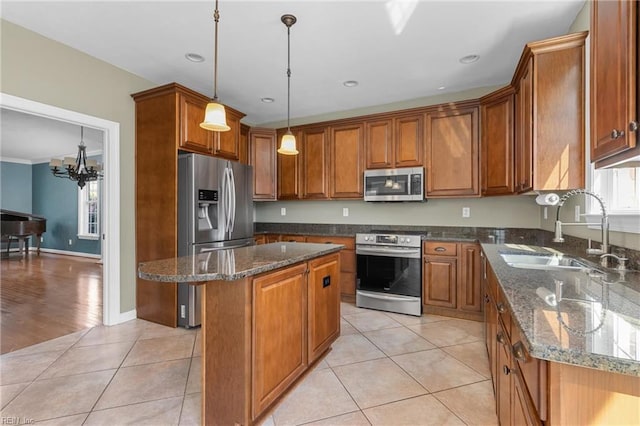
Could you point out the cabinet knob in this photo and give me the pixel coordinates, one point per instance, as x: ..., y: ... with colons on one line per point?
x: 615, y: 133
x: 506, y: 370
x: 501, y: 309
x: 633, y: 126
x: 519, y: 352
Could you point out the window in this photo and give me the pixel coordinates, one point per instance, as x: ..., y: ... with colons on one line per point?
x: 620, y: 190
x: 89, y: 211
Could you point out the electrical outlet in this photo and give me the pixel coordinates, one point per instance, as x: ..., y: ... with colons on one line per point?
x: 577, y: 216
x: 345, y: 211
x: 70, y: 242
x: 283, y: 211
x: 546, y: 213
x: 466, y: 212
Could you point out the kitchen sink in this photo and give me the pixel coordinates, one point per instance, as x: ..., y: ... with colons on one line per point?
x: 545, y: 262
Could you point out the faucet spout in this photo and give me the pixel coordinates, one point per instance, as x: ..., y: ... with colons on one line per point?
x: 558, y: 234
x: 604, y: 223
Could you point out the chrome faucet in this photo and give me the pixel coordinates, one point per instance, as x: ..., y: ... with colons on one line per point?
x: 604, y: 224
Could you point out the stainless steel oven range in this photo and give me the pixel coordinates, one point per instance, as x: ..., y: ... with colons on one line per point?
x: 389, y: 272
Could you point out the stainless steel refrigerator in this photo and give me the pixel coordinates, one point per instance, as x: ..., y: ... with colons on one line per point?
x: 215, y: 212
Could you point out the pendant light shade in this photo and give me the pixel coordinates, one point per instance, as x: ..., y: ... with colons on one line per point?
x: 215, y: 117
x: 288, y: 142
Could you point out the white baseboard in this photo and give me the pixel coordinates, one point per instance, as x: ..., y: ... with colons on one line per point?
x: 127, y: 316
x: 67, y: 253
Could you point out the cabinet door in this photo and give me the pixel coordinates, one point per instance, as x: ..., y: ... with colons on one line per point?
x: 193, y: 137
x: 409, y: 141
x: 279, y: 333
x: 324, y: 304
x: 504, y: 392
x: 469, y: 285
x: 347, y: 261
x: 524, y: 130
x: 289, y: 171
x: 496, y: 118
x: 491, y: 328
x: 262, y: 148
x: 613, y: 77
x: 347, y: 154
x: 452, y: 153
x: 227, y: 144
x: 379, y: 144
x: 439, y: 281
x: 244, y: 145
x: 523, y: 411
x: 315, y: 162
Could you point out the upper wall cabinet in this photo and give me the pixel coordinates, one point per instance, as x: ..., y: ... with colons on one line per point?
x: 227, y: 144
x: 614, y: 97
x: 289, y: 174
x: 315, y: 163
x: 193, y: 137
x: 496, y: 118
x: 451, y: 161
x: 550, y: 114
x: 394, y: 141
x: 262, y: 156
x: 346, y: 161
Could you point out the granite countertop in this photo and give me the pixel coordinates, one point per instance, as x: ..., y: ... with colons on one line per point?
x: 589, y: 319
x: 232, y: 264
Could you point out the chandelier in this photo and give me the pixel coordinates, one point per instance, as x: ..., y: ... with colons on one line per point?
x: 78, y: 169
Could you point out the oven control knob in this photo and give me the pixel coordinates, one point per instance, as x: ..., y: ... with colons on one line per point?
x: 366, y: 238
x: 402, y: 240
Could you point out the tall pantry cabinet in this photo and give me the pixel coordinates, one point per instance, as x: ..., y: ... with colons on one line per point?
x: 167, y: 120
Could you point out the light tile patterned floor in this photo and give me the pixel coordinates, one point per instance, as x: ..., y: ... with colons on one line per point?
x: 385, y: 369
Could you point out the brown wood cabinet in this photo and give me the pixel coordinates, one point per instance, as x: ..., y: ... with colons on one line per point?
x: 614, y: 92
x: 279, y: 348
x: 550, y: 114
x: 262, y: 149
x: 227, y: 144
x: 324, y: 307
x: 346, y: 161
x: 394, y: 141
x: 452, y: 279
x: 243, y: 152
x: 289, y: 170
x: 167, y: 120
x: 314, y: 156
x: 497, y: 142
x: 452, y: 151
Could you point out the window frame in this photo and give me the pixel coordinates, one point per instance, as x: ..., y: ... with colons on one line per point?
x: 83, y: 212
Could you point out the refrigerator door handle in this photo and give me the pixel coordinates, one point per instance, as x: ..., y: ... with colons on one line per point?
x: 225, y: 200
x: 228, y: 200
x: 232, y: 206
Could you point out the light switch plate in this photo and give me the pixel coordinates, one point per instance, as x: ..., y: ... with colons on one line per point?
x: 466, y: 212
x: 345, y: 211
x: 283, y: 211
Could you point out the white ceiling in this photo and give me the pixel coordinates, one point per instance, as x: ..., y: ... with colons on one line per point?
x: 333, y: 41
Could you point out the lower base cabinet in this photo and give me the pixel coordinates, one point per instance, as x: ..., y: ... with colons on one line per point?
x: 531, y: 391
x: 261, y: 334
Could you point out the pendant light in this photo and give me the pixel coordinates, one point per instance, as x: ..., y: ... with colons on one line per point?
x: 215, y: 118
x: 288, y: 142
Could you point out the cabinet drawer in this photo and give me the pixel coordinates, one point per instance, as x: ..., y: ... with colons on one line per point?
x: 440, y: 248
x: 348, y: 242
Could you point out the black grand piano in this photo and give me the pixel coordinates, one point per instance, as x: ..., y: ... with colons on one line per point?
x: 18, y: 226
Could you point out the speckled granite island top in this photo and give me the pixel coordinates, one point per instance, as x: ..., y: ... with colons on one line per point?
x: 232, y: 264
x: 573, y: 316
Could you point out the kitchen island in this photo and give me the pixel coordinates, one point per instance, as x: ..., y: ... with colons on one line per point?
x: 563, y: 336
x: 269, y: 313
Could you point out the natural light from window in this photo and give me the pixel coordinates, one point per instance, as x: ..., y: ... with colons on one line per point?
x: 620, y: 190
x: 88, y: 211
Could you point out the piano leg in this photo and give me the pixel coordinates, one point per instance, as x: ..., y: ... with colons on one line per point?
x: 38, y: 237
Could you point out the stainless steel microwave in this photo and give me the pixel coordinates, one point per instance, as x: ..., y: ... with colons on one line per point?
x: 404, y: 184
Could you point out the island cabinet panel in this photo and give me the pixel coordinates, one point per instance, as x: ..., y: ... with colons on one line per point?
x: 324, y: 304
x: 193, y: 137
x: 315, y: 163
x: 452, y: 157
x: 497, y: 144
x: 379, y: 144
x: 347, y: 262
x: 409, y: 140
x: 279, y: 333
x: 347, y: 161
x: 289, y: 170
x: 614, y: 97
x: 262, y: 149
x: 469, y: 276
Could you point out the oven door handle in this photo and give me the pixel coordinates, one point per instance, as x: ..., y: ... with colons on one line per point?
x: 387, y: 297
x: 389, y: 252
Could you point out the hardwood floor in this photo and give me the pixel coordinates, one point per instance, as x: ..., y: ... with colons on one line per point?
x: 47, y: 296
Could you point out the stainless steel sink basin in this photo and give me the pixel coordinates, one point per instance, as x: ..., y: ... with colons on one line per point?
x: 545, y: 262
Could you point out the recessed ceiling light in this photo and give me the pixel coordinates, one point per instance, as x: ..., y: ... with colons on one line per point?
x: 441, y: 88
x: 350, y: 83
x: 469, y: 59
x: 194, y: 57
x: 267, y: 100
